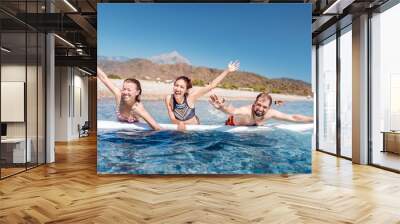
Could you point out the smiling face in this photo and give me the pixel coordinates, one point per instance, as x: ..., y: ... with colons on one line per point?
x: 129, y: 92
x: 261, y: 106
x: 180, y: 87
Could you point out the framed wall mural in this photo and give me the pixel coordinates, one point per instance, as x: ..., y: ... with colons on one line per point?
x: 204, y: 89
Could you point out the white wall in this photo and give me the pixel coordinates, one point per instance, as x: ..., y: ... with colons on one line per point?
x: 13, y: 73
x: 80, y: 109
x: 33, y: 126
x: 70, y: 83
x: 16, y: 73
x: 61, y: 113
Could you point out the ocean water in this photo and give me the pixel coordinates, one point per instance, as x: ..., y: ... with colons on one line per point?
x: 274, y: 151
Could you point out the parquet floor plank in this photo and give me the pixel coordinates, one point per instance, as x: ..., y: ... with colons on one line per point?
x: 70, y: 191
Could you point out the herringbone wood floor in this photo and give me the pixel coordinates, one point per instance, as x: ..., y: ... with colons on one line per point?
x: 70, y: 191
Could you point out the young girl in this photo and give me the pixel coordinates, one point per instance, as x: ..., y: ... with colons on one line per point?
x: 128, y: 106
x: 180, y: 104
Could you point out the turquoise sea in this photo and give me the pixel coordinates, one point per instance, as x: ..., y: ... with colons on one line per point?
x: 276, y: 151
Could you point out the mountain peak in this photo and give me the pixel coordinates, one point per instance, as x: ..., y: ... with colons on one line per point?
x: 113, y: 58
x: 172, y: 57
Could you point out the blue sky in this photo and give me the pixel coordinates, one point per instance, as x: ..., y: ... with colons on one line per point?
x: 273, y: 40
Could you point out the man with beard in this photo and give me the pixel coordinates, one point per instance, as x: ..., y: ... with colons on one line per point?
x: 255, y: 114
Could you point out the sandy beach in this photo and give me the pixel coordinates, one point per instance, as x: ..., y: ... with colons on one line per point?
x: 152, y: 90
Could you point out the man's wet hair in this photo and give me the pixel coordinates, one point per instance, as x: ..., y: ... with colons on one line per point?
x: 265, y: 95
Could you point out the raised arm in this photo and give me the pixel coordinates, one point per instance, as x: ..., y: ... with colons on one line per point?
x: 292, y: 117
x: 108, y: 83
x: 219, y: 104
x: 142, y: 112
x: 232, y: 67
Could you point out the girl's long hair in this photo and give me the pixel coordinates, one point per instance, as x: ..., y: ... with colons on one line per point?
x: 138, y: 87
x: 187, y: 81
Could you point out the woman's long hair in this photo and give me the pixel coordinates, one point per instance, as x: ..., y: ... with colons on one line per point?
x: 187, y: 81
x: 138, y: 87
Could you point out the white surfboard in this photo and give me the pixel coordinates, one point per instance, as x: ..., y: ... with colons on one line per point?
x: 295, y: 127
x: 114, y: 125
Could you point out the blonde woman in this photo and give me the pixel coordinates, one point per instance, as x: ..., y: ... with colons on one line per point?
x: 129, y: 108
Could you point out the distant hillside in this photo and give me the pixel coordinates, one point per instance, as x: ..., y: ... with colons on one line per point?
x: 114, y: 58
x: 146, y: 69
x: 169, y: 58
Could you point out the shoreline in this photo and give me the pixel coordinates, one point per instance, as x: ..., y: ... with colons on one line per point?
x: 152, y: 90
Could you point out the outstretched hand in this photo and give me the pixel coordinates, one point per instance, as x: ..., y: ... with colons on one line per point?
x: 109, y: 84
x: 233, y: 66
x: 216, y: 101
